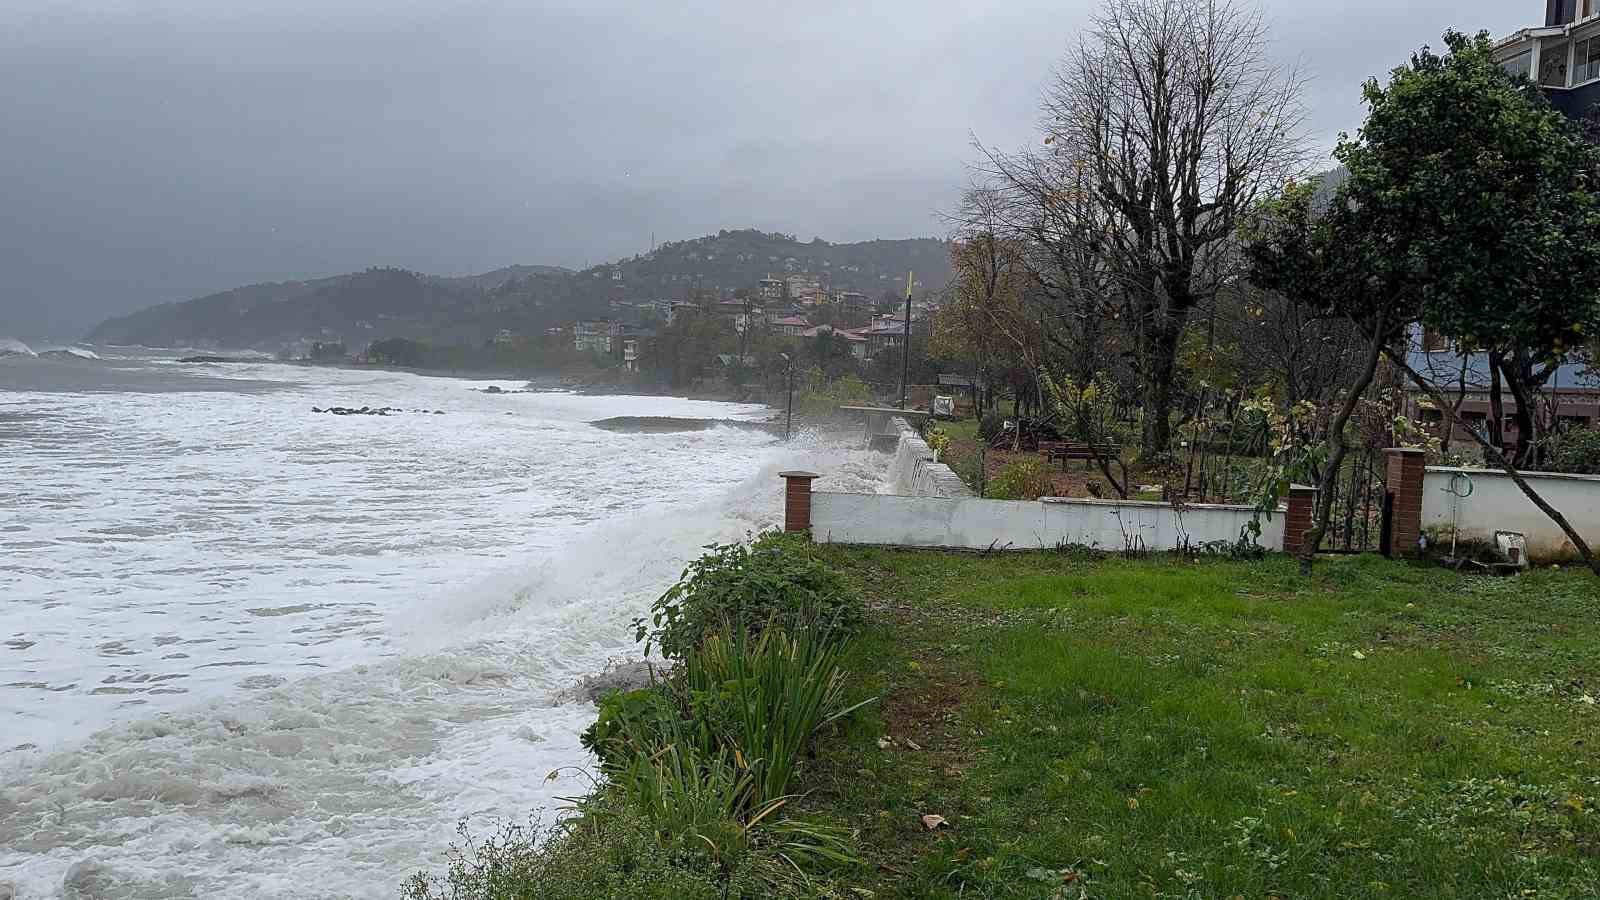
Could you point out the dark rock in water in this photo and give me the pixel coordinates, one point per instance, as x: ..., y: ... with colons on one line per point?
x: 370, y: 411
x: 618, y: 675
x: 493, y: 389
x: 210, y: 359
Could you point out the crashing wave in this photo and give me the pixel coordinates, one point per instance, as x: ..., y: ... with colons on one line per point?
x: 68, y: 353
x: 14, y: 347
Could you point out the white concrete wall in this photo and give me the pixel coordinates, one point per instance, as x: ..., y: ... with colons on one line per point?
x: 1497, y: 504
x: 914, y: 473
x: 976, y: 524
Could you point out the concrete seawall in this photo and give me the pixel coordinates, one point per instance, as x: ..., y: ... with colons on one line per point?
x: 914, y: 471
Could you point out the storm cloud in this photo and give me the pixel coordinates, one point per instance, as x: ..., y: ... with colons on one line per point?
x: 153, y: 151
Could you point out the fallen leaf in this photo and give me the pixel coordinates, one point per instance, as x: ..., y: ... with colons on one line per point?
x: 885, y: 743
x: 1358, y: 654
x: 931, y: 821
x: 912, y: 744
x: 1133, y: 802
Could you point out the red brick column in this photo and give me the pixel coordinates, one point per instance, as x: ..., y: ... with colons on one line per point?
x: 1406, y: 468
x: 1302, y: 503
x: 797, y: 500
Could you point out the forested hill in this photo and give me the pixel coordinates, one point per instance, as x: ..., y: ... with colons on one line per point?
x: 361, y: 307
x: 730, y: 260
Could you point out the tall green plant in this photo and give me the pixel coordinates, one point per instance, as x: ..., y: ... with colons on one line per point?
x: 769, y: 695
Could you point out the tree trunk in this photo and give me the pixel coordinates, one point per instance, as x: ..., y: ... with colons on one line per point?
x: 1157, y: 432
x: 1497, y: 411
x: 1511, y: 372
x: 1336, y: 451
x: 1510, y: 470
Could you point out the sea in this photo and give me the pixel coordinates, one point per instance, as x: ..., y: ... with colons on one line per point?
x: 252, y: 650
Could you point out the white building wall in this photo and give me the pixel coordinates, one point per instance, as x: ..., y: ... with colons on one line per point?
x: 1495, y: 503
x: 971, y: 523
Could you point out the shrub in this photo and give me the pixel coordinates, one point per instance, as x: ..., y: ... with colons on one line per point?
x: 990, y: 427
x: 777, y: 580
x: 1027, y: 478
x: 1576, y: 451
x: 629, y: 723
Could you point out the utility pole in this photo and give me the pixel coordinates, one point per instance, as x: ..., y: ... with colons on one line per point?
x: 905, y: 347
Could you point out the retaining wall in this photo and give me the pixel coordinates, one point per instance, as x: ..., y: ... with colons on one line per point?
x: 1495, y: 503
x: 971, y: 523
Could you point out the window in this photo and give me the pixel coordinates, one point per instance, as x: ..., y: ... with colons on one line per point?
x: 1519, y: 65
x: 1586, y: 61
x: 1588, y: 9
x: 1553, y: 66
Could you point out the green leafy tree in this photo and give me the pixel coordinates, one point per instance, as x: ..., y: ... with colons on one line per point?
x: 1470, y: 209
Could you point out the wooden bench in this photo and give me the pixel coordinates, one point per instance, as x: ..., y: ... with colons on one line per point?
x: 1065, y: 450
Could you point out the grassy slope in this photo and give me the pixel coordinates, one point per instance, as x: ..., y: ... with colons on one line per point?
x: 1136, y: 729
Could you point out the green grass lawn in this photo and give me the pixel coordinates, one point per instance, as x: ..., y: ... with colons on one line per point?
x: 1168, y: 729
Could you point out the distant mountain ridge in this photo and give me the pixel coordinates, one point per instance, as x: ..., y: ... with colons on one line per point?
x: 382, y: 303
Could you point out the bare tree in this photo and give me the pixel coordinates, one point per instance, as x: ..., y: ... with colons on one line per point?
x: 1166, y: 122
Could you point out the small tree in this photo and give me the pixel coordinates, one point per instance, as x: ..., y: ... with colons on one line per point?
x: 1470, y: 210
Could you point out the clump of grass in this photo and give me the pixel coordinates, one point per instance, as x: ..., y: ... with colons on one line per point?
x: 608, y: 852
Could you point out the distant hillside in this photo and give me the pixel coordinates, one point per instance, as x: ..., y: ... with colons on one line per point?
x: 488, y: 281
x: 730, y: 260
x: 359, y: 308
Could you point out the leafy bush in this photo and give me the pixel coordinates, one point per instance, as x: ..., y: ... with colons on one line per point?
x: 630, y: 723
x: 1028, y: 478
x: 1576, y: 451
x: 777, y: 580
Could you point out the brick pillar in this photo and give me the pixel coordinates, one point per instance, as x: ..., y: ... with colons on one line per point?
x: 1406, y: 467
x: 797, y: 500
x: 1297, y: 521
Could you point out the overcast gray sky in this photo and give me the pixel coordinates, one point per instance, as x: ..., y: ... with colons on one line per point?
x: 158, y: 150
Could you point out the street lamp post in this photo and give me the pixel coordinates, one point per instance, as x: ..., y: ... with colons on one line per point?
x: 905, y: 346
x: 788, y: 419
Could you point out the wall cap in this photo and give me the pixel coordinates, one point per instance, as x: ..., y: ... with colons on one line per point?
x: 1500, y: 473
x: 1406, y: 451
x: 796, y: 473
x: 1303, y: 489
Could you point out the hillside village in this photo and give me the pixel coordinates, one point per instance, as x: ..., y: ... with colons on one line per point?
x: 686, y: 314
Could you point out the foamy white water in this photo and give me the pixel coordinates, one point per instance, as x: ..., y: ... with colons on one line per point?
x: 250, y: 650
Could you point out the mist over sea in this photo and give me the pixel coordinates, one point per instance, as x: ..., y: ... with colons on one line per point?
x: 251, y: 650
